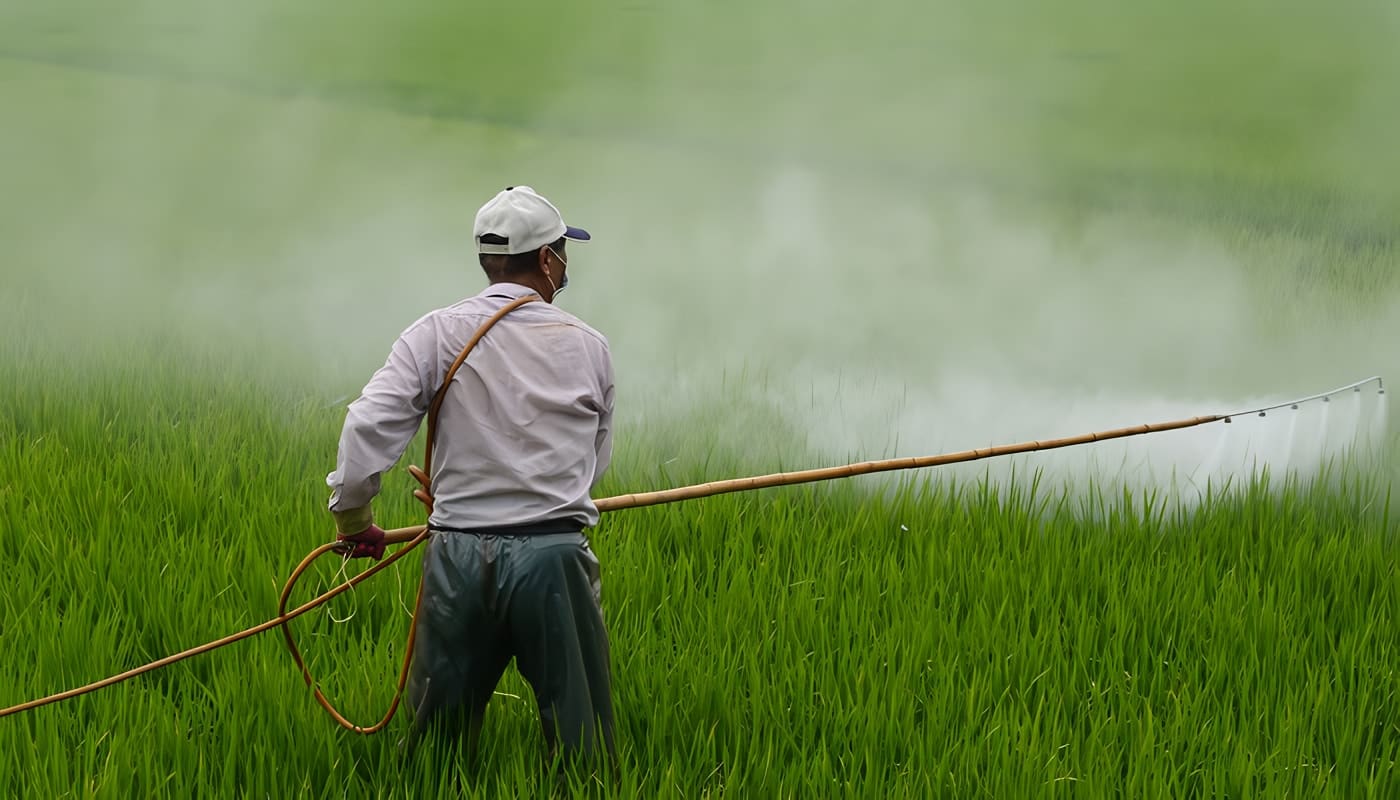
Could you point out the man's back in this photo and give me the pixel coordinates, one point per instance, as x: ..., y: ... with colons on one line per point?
x: 525, y: 430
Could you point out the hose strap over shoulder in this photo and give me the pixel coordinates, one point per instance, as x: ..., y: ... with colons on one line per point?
x: 424, y: 474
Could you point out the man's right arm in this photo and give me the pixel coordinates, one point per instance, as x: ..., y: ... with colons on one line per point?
x: 378, y: 427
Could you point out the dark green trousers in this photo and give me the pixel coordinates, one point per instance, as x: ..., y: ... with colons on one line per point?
x: 489, y: 598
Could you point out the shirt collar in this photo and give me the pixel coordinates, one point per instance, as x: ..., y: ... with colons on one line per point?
x: 507, y: 289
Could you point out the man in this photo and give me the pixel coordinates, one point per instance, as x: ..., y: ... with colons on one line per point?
x: 523, y: 435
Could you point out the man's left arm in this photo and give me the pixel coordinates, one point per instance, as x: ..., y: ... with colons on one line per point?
x: 603, y: 441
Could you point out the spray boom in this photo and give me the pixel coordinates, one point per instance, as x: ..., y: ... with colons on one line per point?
x: 1325, y: 397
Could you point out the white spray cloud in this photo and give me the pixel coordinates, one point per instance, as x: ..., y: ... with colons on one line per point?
x: 851, y: 242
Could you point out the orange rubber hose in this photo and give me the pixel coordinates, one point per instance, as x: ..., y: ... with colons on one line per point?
x: 427, y: 501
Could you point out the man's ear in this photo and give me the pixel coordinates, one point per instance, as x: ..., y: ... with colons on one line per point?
x: 544, y: 260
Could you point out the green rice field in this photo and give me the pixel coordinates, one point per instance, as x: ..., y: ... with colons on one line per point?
x: 823, y: 233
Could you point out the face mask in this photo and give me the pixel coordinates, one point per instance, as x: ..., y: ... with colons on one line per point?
x: 563, y: 284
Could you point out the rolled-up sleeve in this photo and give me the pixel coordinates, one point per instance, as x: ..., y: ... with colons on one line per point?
x: 379, y: 424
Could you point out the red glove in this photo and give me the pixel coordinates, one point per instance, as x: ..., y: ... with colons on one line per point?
x: 368, y: 543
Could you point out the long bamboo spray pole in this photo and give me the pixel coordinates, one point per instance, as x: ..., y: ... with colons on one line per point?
x: 618, y: 503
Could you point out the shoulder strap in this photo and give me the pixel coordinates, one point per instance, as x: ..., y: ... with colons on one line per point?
x: 423, y: 475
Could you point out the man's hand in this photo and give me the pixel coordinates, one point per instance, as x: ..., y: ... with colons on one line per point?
x: 368, y: 543
x: 424, y: 495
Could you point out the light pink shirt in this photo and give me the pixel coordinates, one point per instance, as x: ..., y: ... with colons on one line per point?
x: 524, y: 433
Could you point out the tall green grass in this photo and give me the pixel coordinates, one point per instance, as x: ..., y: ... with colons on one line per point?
x: 162, y: 458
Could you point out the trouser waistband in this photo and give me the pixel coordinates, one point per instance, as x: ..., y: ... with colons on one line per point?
x: 542, y: 528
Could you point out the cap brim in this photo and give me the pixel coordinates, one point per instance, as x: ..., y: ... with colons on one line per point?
x: 576, y: 234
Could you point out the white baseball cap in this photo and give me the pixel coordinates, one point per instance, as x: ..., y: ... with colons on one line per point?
x: 524, y: 219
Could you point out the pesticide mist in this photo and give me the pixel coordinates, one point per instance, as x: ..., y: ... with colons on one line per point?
x: 909, y: 277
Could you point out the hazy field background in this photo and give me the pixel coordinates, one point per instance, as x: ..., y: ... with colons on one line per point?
x: 823, y: 232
